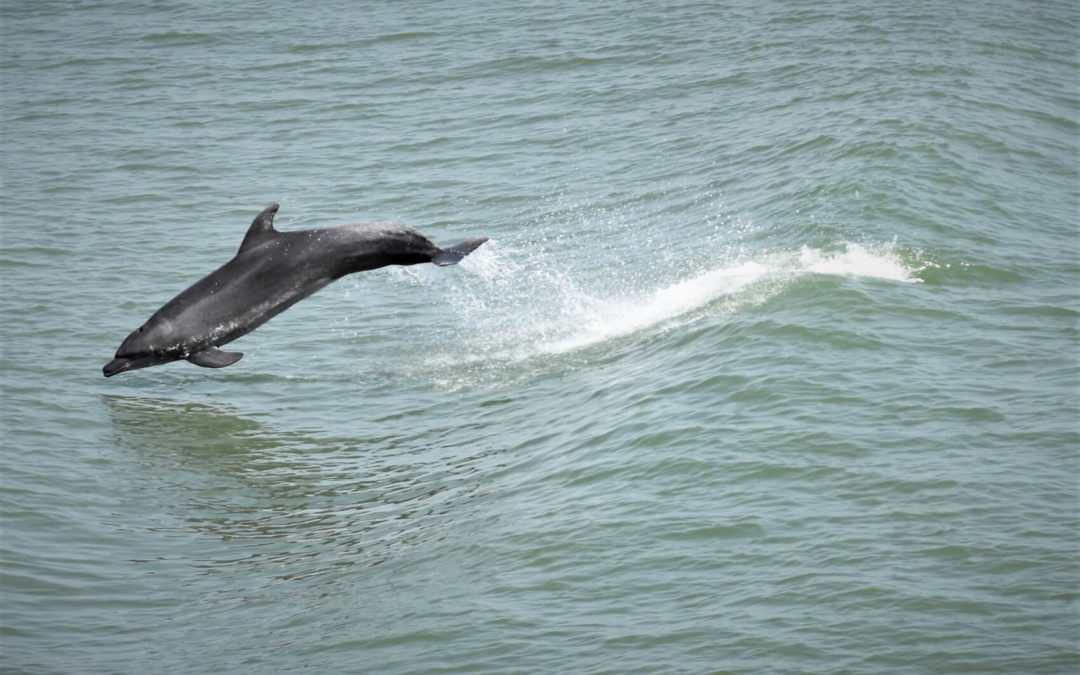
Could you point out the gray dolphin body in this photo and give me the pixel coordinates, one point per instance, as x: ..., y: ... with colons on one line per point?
x: 270, y: 273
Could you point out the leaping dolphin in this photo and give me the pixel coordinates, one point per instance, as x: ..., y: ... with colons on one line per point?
x: 270, y: 273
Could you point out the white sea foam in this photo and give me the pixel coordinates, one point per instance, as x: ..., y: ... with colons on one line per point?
x: 613, y: 318
x: 858, y: 261
x: 518, y: 311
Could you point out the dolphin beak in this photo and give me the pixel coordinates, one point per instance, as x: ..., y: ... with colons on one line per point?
x: 116, y: 366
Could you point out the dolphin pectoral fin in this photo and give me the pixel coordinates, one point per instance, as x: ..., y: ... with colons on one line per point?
x: 453, y: 254
x: 213, y: 357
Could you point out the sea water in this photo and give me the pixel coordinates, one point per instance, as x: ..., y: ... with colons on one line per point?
x: 770, y: 364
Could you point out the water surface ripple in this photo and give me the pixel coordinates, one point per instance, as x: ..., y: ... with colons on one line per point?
x: 771, y: 363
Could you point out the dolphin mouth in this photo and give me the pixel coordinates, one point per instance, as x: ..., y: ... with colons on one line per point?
x: 116, y: 366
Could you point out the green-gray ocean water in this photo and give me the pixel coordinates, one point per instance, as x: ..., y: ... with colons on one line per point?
x: 770, y: 365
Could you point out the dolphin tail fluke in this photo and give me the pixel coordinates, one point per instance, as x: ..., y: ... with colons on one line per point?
x: 212, y: 357
x: 452, y: 255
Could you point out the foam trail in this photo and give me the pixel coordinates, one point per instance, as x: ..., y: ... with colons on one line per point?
x: 517, y: 311
x: 613, y: 319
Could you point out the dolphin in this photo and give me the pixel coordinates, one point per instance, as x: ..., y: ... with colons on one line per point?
x: 270, y: 273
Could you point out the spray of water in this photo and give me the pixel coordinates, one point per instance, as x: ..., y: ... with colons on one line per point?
x: 518, y: 306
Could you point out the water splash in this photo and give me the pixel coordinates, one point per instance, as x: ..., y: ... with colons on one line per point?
x: 859, y: 261
x: 609, y: 318
x: 517, y: 307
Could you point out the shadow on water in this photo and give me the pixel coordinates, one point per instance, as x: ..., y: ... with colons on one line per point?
x: 199, y: 430
x: 216, y: 437
x: 288, y: 504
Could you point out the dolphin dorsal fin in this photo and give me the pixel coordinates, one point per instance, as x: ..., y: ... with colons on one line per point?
x: 262, y: 228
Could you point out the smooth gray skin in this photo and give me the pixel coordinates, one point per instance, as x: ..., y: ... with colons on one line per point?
x: 270, y: 273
